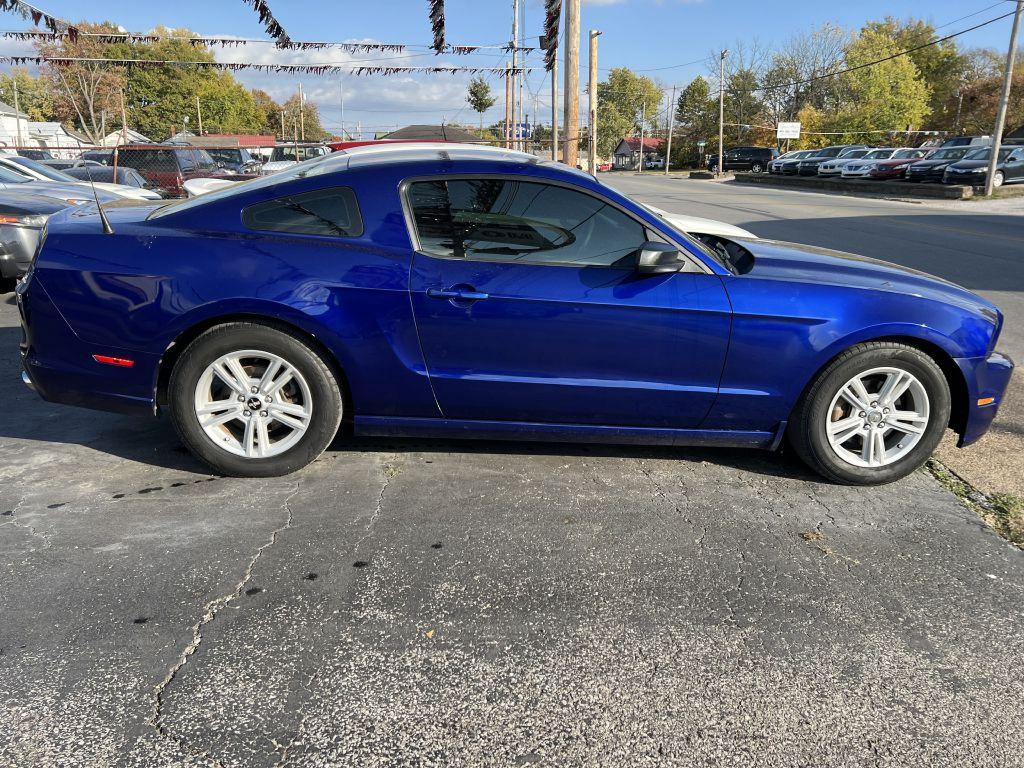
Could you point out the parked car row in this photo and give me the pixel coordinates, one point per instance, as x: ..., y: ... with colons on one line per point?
x: 962, y: 160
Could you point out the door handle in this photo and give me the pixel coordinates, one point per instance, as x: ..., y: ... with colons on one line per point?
x: 456, y: 293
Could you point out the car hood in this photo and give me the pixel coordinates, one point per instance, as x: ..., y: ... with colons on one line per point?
x: 776, y: 260
x: 932, y: 163
x: 970, y: 165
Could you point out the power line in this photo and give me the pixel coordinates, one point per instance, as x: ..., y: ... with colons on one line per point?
x: 884, y: 59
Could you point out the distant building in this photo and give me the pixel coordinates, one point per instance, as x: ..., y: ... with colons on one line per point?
x: 247, y: 140
x: 10, y: 122
x: 55, y: 137
x: 434, y: 133
x: 627, y: 153
x: 125, y: 136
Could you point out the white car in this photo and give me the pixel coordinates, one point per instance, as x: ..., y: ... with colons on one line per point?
x: 196, y: 187
x: 862, y: 167
x: 695, y: 225
x: 287, y: 155
x: 36, y: 171
x: 835, y: 167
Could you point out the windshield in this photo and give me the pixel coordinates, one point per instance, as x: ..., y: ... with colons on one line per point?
x: 226, y: 155
x: 878, y: 154
x: 285, y: 153
x: 903, y: 154
x: 204, y: 161
x: 313, y: 167
x: 42, y: 169
x: 948, y: 154
x: 855, y: 154
x: 8, y: 176
x: 985, y: 152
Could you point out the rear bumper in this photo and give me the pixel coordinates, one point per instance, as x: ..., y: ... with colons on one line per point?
x: 17, y: 244
x: 986, y: 377
x: 60, y: 368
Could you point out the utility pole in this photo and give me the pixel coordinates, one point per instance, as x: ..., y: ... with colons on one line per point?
x: 554, y: 108
x: 341, y: 87
x: 508, y: 107
x: 721, y: 115
x: 17, y: 109
x: 643, y: 119
x: 671, y: 127
x: 592, y: 90
x: 572, y: 83
x: 515, y: 73
x: 1004, y: 100
x: 282, y: 125
x: 199, y: 115
x: 302, y: 115
x: 124, y: 121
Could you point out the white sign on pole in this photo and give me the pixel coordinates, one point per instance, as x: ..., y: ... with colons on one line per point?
x: 788, y: 131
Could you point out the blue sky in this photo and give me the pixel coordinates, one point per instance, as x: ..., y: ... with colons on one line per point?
x: 642, y: 34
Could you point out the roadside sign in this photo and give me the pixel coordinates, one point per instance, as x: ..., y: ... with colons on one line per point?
x: 788, y: 131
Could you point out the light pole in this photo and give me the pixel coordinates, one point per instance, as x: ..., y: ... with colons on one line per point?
x: 1004, y: 100
x: 592, y: 106
x: 721, y: 114
x: 671, y: 127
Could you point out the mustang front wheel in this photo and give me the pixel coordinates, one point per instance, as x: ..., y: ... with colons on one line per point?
x: 874, y: 415
x: 254, y: 401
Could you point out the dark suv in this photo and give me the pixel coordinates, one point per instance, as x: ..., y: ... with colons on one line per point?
x: 169, y: 166
x: 753, y: 159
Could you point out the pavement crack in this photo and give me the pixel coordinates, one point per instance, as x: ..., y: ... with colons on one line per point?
x: 210, y: 611
x: 16, y: 523
x: 390, y: 471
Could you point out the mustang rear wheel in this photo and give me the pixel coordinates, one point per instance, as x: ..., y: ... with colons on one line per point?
x: 254, y: 401
x: 874, y: 415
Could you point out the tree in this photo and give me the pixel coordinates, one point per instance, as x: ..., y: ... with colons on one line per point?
x: 633, y: 97
x: 889, y: 95
x: 742, y: 106
x: 35, y: 96
x: 696, y: 120
x: 480, y: 98
x: 268, y: 112
x: 942, y: 67
x: 309, y: 120
x: 85, y: 92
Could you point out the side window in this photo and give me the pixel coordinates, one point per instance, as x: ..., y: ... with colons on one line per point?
x: 520, y: 221
x: 332, y: 212
x: 186, y: 160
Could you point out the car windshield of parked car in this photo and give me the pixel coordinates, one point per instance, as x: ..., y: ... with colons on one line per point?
x: 7, y: 176
x: 948, y: 154
x: 879, y: 154
x: 291, y: 152
x: 985, y: 152
x: 312, y: 167
x: 855, y: 154
x: 43, y: 170
x: 905, y: 154
x: 230, y: 156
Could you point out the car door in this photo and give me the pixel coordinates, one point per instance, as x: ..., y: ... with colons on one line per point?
x: 530, y: 308
x: 1014, y: 166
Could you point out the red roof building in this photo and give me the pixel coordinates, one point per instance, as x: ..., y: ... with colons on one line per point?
x: 627, y: 153
x: 247, y: 140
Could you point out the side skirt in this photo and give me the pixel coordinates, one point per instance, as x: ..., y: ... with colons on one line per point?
x: 390, y: 426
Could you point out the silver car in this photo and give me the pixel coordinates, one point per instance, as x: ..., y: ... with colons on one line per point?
x: 22, y: 217
x: 835, y: 167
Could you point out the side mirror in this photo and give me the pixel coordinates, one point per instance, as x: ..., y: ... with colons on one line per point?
x: 658, y: 258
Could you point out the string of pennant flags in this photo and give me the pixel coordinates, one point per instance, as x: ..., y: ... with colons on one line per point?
x: 232, y: 42
x: 270, y: 24
x: 38, y: 17
x: 305, y: 69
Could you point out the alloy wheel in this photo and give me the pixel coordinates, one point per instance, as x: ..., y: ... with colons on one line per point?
x: 877, y: 417
x: 253, y: 404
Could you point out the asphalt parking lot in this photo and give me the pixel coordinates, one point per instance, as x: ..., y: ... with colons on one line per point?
x: 444, y: 603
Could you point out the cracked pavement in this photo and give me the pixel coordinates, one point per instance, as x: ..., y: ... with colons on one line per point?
x: 445, y: 603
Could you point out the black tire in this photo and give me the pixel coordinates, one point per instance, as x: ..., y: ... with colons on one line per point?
x: 232, y: 337
x: 807, y: 426
x: 8, y: 284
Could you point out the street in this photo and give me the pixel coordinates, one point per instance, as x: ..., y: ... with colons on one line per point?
x: 409, y: 602
x: 978, y: 250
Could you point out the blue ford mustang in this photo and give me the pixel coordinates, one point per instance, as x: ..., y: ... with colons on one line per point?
x: 461, y: 291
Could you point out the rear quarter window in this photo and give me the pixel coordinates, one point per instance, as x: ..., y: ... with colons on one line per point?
x: 330, y: 212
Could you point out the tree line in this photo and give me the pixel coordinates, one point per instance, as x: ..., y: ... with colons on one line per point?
x: 936, y: 88
x: 89, y: 96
